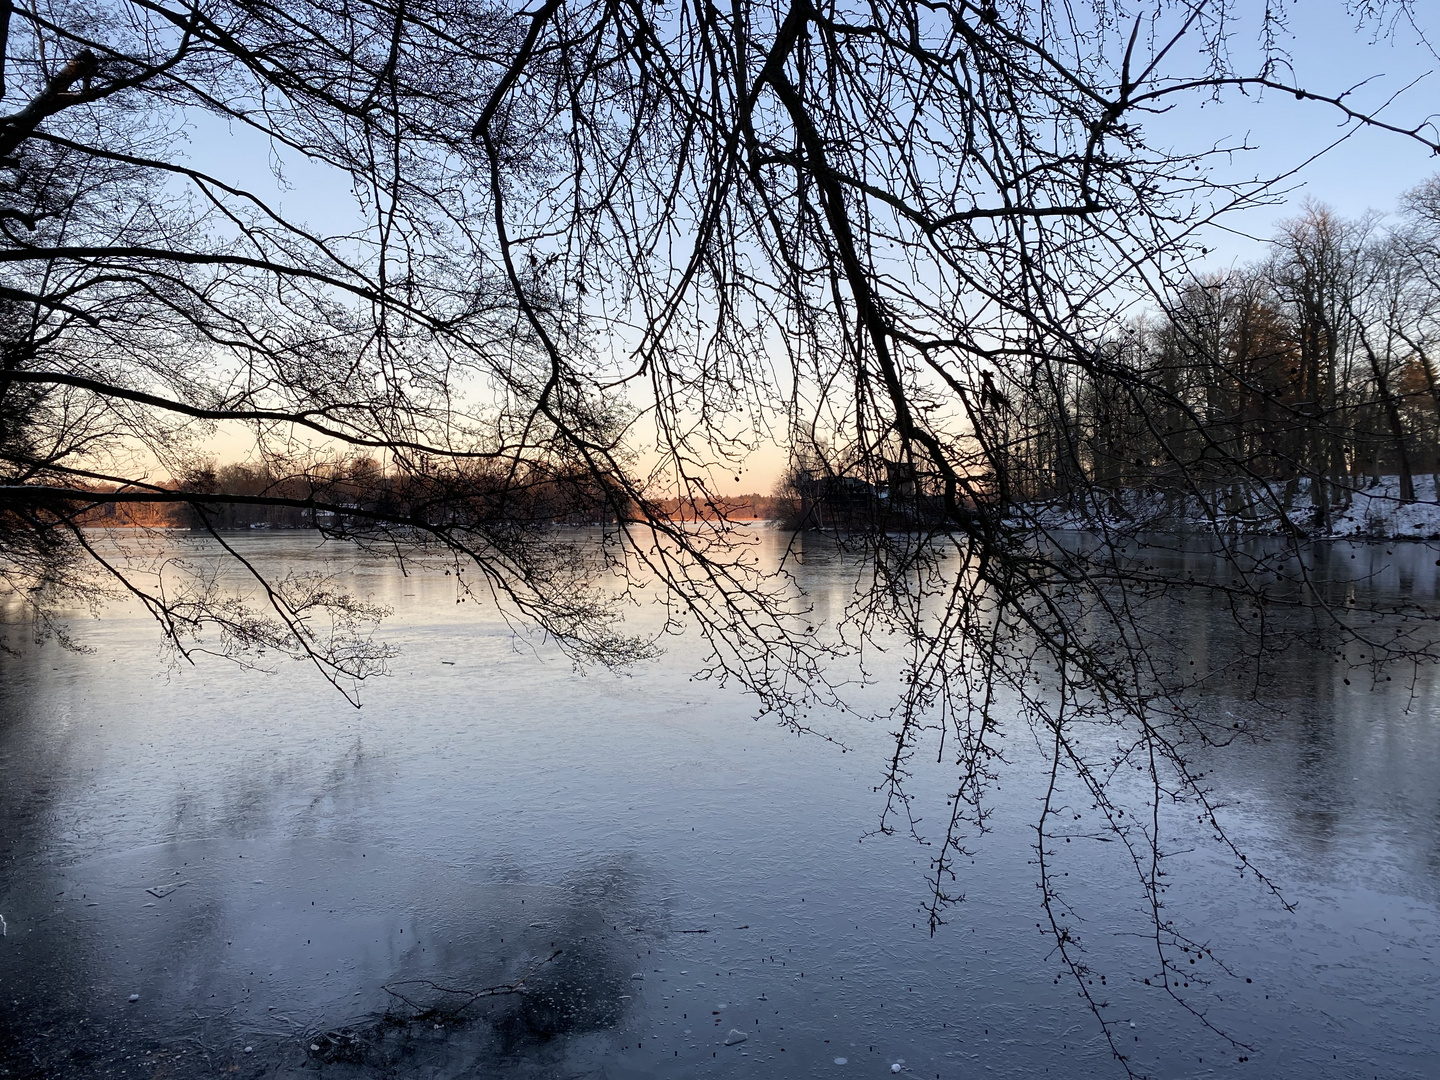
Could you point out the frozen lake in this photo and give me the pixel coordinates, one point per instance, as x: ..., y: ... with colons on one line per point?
x: 258, y: 862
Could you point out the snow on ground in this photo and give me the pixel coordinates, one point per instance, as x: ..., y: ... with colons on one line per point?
x: 1362, y: 511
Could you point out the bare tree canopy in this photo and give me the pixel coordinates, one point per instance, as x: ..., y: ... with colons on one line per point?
x: 563, y: 262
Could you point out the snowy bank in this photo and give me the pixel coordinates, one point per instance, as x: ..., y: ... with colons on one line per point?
x: 1359, y: 510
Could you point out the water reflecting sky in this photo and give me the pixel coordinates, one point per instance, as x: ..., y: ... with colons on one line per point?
x: 699, y: 872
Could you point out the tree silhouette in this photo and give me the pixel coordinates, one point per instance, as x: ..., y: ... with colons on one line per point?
x: 609, y: 247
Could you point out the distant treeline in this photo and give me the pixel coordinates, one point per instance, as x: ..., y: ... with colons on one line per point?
x: 733, y: 508
x: 354, y: 489
x: 351, y: 494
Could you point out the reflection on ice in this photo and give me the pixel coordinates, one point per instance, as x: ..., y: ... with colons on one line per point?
x: 262, y: 866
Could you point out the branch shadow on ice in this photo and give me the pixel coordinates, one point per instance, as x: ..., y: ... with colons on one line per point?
x: 546, y: 998
x: 535, y: 979
x: 433, y: 1024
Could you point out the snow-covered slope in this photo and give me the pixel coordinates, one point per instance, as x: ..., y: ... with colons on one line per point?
x: 1360, y: 511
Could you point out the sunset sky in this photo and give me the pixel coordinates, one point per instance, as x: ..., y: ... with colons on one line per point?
x: 1369, y: 170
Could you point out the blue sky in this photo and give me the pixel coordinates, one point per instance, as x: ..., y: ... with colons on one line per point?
x: 1371, y: 169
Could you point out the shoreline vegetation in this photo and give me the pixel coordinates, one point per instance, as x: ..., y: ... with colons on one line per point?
x: 321, y: 501
x: 1369, y: 508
